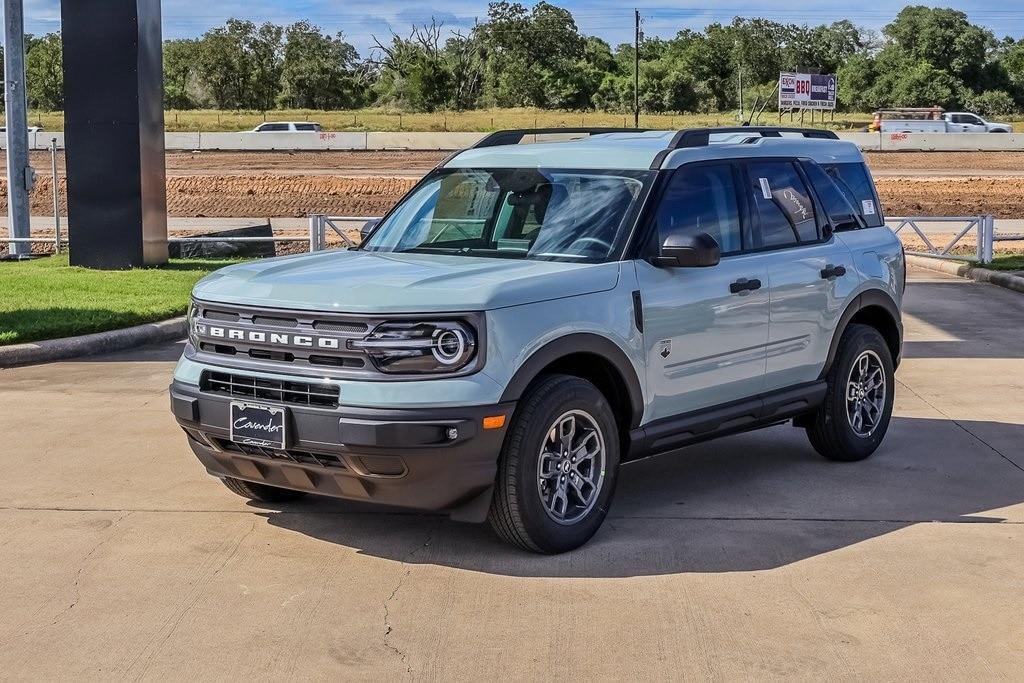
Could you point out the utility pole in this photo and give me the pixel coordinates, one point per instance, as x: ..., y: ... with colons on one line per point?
x: 740, y: 72
x: 636, y: 69
x: 19, y: 174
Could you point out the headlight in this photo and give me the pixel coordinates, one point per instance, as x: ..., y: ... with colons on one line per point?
x: 190, y: 318
x: 419, y: 347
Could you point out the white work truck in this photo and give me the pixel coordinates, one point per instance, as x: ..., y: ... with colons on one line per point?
x: 933, y: 120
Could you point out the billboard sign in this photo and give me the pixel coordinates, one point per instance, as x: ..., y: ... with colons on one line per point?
x: 807, y: 91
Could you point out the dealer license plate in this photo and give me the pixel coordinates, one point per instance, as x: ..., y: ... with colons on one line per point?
x: 257, y: 425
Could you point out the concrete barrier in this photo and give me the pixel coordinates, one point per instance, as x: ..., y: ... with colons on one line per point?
x: 868, y: 142
x: 423, y: 141
x: 282, y: 141
x: 182, y: 141
x: 925, y: 142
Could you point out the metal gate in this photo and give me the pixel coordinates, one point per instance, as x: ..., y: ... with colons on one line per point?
x: 961, y: 226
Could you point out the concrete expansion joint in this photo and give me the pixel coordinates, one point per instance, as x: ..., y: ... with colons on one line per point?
x: 407, y: 569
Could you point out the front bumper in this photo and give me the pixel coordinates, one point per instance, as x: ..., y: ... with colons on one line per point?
x: 404, y: 458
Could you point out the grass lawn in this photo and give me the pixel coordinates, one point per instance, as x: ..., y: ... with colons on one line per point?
x: 1015, y: 262
x: 47, y: 298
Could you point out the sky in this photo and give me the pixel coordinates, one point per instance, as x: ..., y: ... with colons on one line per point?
x: 360, y: 20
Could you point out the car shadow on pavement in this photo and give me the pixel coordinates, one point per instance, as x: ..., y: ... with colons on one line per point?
x: 744, y: 503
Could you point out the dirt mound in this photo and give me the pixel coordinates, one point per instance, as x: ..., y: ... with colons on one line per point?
x: 1001, y: 197
x: 271, y: 195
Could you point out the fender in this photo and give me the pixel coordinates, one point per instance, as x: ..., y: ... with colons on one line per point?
x: 870, y: 297
x: 580, y: 342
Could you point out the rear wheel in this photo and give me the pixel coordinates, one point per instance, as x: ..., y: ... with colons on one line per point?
x: 261, y: 492
x: 558, y: 467
x: 852, y: 421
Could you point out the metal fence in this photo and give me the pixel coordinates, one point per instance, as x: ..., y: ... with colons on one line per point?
x: 983, y: 228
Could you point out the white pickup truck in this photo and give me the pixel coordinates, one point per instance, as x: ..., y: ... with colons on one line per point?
x: 934, y: 120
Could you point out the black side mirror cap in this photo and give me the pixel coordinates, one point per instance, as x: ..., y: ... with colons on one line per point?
x: 688, y: 251
x: 367, y: 228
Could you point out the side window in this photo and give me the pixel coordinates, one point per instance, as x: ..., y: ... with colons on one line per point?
x: 839, y: 209
x: 783, y: 204
x: 854, y: 182
x: 702, y: 199
x: 305, y: 126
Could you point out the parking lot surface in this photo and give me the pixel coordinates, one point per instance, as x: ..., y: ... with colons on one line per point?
x: 748, y: 557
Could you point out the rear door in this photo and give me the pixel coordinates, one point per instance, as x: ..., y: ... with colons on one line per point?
x: 808, y: 270
x: 705, y: 329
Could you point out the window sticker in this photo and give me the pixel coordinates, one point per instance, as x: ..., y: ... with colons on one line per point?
x: 868, y: 207
x: 766, y: 189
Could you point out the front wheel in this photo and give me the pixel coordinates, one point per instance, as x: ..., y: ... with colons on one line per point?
x: 558, y: 467
x: 852, y: 421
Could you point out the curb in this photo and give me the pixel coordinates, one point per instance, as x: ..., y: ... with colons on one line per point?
x: 992, y: 277
x: 91, y: 344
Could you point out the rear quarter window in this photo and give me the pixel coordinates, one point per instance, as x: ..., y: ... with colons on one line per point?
x: 839, y: 208
x: 853, y: 180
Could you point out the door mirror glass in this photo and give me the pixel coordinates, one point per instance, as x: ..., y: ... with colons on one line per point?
x: 681, y: 250
x: 367, y: 228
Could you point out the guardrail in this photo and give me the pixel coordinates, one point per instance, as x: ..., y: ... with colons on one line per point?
x: 983, y: 226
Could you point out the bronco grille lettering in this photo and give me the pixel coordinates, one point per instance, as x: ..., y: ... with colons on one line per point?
x: 271, y: 338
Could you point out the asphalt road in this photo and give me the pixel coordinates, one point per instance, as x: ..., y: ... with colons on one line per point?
x: 750, y: 557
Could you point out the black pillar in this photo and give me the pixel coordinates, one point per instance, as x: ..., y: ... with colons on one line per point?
x: 114, y: 132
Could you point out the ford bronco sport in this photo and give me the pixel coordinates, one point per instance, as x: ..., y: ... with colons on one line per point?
x: 530, y: 316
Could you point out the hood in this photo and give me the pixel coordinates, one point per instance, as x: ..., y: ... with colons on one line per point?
x: 376, y: 282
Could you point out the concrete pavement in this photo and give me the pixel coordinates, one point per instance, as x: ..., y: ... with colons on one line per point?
x: 750, y: 557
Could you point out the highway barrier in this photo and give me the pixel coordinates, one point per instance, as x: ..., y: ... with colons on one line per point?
x: 327, y: 141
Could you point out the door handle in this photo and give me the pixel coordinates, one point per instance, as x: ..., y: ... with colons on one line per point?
x: 744, y: 285
x: 831, y: 271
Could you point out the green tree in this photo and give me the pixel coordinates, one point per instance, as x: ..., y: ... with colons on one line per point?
x: 319, y: 71
x: 265, y: 49
x: 44, y: 74
x: 223, y: 64
x: 180, y: 60
x: 942, y: 37
x: 993, y: 103
x: 531, y: 55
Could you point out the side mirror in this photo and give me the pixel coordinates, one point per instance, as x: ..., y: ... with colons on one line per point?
x: 688, y: 251
x: 367, y: 228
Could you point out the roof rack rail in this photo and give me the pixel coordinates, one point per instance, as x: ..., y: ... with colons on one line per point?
x: 515, y: 136
x: 701, y: 137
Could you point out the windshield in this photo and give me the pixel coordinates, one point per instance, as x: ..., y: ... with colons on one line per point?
x: 538, y: 214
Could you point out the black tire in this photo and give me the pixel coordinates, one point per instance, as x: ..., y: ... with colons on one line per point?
x: 518, y: 513
x: 829, y: 429
x: 261, y: 492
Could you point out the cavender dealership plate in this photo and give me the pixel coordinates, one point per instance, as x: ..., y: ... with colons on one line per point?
x: 258, y: 425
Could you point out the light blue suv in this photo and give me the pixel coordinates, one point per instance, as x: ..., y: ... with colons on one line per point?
x: 530, y: 316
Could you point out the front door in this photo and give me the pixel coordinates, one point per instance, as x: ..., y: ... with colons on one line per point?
x: 705, y: 329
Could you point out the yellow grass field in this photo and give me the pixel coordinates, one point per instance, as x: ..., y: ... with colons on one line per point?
x: 476, y: 120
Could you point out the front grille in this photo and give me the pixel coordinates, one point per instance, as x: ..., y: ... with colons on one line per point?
x: 274, y: 322
x: 226, y: 330
x: 277, y: 391
x: 287, y: 454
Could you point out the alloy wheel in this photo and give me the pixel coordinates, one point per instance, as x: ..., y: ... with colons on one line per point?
x: 570, y: 468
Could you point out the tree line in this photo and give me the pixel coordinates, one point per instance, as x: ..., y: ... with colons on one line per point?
x: 537, y: 57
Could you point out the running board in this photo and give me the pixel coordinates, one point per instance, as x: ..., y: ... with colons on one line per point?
x: 764, y: 410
